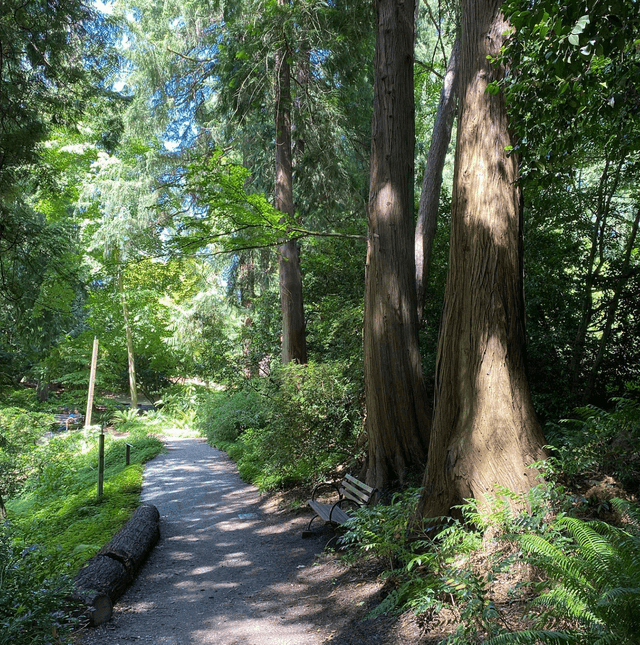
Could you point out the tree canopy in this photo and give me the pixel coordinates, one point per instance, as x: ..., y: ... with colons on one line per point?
x: 142, y: 161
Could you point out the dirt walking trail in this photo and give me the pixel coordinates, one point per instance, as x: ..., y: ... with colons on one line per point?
x: 231, y: 569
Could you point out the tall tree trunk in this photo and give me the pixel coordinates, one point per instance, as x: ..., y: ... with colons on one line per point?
x: 595, y: 262
x: 294, y: 344
x: 130, y: 355
x: 397, y: 412
x: 432, y: 180
x: 612, y: 309
x: 485, y: 431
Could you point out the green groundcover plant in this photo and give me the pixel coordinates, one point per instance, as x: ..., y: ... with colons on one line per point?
x: 590, y: 570
x: 56, y: 522
x: 34, y: 603
x: 592, y: 586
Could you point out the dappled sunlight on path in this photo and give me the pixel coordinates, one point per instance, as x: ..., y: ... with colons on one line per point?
x: 222, y: 572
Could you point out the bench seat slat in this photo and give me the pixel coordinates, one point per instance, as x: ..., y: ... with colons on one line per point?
x: 329, y: 512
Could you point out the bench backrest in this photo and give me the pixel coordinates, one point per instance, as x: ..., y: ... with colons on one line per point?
x: 357, y: 491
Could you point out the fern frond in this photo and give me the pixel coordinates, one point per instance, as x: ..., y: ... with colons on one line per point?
x: 597, y: 551
x: 555, y: 562
x: 536, y: 637
x: 622, y: 594
x: 569, y: 603
x: 613, y: 639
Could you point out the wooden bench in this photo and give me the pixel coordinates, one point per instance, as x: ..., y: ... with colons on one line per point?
x: 351, y: 494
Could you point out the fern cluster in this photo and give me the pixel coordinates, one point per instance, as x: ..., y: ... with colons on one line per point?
x: 593, y: 586
x: 590, y: 594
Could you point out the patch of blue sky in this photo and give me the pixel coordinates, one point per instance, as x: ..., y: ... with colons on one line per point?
x: 187, y: 93
x: 104, y: 6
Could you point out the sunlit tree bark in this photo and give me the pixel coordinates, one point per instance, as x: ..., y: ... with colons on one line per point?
x: 131, y: 363
x: 432, y: 180
x: 485, y: 430
x: 397, y: 411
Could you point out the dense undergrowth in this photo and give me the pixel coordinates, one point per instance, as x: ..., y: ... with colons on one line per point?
x: 55, y: 521
x: 540, y: 568
x: 563, y: 567
x: 294, y: 427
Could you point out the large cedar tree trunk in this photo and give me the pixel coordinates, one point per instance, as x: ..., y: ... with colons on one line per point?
x: 485, y: 430
x: 294, y: 344
x: 397, y: 411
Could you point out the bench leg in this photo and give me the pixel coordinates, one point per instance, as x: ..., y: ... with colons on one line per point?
x: 308, y: 532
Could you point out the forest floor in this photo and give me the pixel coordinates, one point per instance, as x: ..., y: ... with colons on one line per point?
x: 232, y: 568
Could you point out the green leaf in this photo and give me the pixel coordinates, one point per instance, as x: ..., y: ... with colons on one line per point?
x: 579, y: 27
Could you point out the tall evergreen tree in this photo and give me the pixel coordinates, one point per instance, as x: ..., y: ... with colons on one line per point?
x: 485, y: 431
x: 397, y: 412
x: 294, y: 344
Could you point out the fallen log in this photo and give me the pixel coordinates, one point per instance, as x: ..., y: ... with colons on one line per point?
x: 133, y: 543
x: 106, y: 576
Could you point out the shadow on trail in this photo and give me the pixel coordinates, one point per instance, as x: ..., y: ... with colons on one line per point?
x: 226, y: 571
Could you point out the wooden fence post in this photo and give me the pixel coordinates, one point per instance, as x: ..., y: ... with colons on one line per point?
x: 92, y: 381
x: 100, y: 463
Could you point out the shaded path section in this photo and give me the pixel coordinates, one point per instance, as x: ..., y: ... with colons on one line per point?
x: 224, y: 571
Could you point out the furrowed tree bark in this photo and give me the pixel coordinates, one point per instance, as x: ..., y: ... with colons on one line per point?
x: 432, y: 180
x: 485, y: 431
x: 294, y: 344
x: 397, y: 413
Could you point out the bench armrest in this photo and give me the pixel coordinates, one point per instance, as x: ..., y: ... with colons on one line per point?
x: 319, y: 487
x: 344, y: 501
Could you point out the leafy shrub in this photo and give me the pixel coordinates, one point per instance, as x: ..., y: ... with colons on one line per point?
x: 24, y: 397
x: 303, y: 423
x: 19, y: 434
x: 315, y: 422
x: 225, y: 416
x: 33, y: 603
x: 600, y: 442
x: 179, y: 405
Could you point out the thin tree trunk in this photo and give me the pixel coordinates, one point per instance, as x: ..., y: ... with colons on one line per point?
x: 397, y: 412
x: 595, y: 263
x: 130, y: 355
x: 432, y: 180
x: 485, y: 431
x: 612, y: 309
x: 294, y: 344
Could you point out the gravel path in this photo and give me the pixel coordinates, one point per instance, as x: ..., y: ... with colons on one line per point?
x: 225, y: 568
